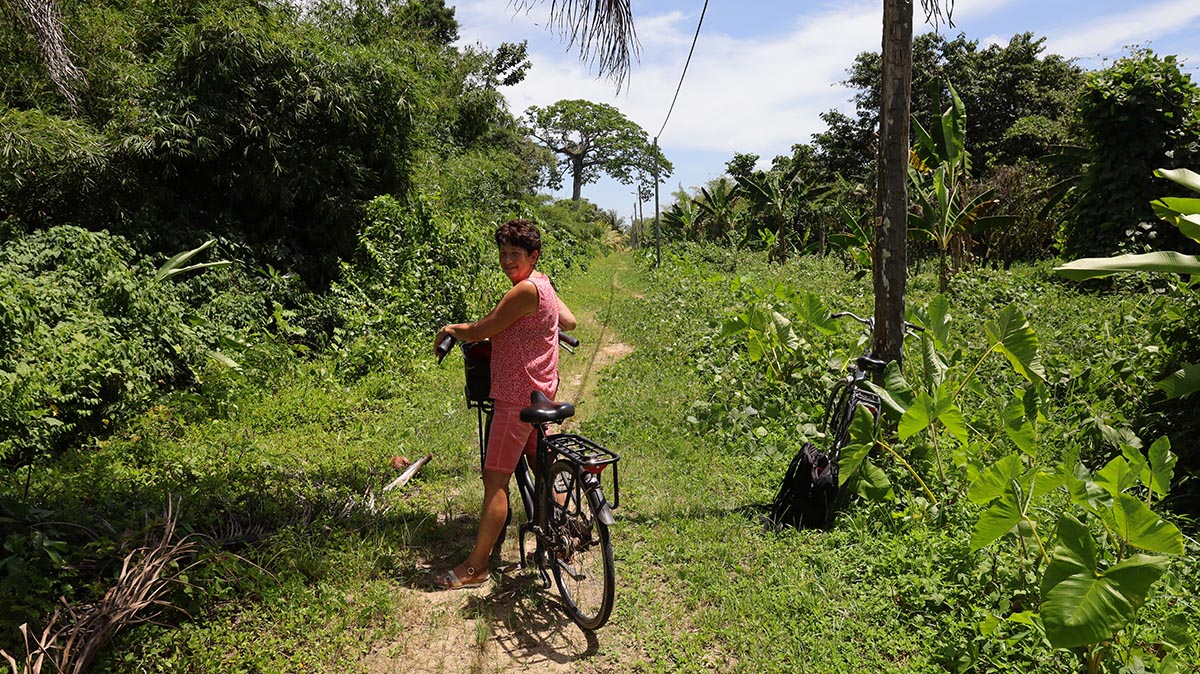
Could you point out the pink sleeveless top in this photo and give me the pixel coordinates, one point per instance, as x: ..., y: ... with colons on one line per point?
x: 525, y: 355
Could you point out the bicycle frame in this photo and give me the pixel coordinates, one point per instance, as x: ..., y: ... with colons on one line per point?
x: 534, y: 489
x: 849, y: 394
x: 564, y: 501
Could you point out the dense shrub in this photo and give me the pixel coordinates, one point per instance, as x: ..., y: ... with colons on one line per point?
x: 1141, y: 114
x: 415, y: 270
x: 87, y: 338
x: 1028, y: 237
x: 419, y: 267
x: 54, y: 167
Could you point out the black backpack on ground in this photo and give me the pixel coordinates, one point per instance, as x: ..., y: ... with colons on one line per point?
x: 808, y: 496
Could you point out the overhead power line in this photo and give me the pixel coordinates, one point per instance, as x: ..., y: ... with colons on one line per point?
x: 685, y: 67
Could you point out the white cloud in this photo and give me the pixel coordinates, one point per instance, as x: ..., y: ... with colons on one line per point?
x: 1144, y: 22
x: 672, y: 28
x: 740, y: 94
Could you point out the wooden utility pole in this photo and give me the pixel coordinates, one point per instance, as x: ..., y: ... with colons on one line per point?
x: 633, y: 225
x: 657, y: 230
x: 891, y: 202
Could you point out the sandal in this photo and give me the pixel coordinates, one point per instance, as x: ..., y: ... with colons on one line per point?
x: 450, y: 581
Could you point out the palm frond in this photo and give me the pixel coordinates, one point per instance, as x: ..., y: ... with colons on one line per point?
x: 938, y: 11
x: 602, y: 29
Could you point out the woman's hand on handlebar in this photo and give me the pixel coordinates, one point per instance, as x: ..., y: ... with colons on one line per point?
x: 443, y: 342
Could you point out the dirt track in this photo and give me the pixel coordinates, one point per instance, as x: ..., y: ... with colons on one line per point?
x: 510, y: 624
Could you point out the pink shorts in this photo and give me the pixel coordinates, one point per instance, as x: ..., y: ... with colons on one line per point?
x: 509, y: 437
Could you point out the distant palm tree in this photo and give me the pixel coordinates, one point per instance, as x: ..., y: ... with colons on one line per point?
x: 718, y: 208
x: 684, y: 216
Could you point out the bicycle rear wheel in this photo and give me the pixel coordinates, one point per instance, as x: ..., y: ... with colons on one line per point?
x: 581, y: 554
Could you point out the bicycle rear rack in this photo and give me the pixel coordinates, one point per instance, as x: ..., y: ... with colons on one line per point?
x: 589, y: 456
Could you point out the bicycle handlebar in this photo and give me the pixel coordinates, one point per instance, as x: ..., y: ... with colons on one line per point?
x: 870, y: 322
x: 444, y: 347
x: 567, y: 340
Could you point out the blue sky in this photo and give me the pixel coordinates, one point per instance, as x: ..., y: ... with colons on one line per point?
x: 763, y: 71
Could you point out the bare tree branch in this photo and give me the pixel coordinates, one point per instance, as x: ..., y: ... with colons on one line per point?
x: 45, y: 19
x: 138, y: 596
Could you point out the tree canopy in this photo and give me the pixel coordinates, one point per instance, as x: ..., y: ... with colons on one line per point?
x: 1021, y: 100
x: 594, y: 139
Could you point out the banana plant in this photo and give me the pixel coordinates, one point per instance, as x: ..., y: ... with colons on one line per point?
x: 685, y: 216
x: 175, y: 266
x: 946, y: 214
x: 939, y: 171
x: 1184, y: 213
x: 718, y: 208
x: 855, y: 238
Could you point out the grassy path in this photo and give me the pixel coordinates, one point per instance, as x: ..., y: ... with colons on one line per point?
x: 701, y: 586
x: 512, y: 624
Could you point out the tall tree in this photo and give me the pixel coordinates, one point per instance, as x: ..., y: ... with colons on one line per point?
x: 593, y: 139
x: 610, y: 21
x: 1141, y: 113
x: 890, y: 269
x: 1021, y: 100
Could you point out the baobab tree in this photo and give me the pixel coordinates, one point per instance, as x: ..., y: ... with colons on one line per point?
x: 592, y: 139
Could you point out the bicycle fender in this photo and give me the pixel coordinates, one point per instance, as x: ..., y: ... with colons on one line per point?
x: 592, y: 484
x: 606, y: 515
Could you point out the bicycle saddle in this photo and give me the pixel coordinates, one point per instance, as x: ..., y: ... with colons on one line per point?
x: 544, y: 410
x: 871, y: 364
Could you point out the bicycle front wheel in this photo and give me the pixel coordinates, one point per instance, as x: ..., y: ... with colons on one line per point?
x: 581, y: 553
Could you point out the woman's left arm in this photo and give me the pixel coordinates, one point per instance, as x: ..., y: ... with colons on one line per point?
x: 520, y: 300
x: 566, y: 319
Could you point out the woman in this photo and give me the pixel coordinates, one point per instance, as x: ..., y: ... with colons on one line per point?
x: 524, y: 332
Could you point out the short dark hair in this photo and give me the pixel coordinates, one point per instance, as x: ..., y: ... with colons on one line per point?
x: 520, y: 233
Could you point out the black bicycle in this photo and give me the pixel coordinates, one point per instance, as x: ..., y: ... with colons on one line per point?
x: 565, y: 506
x: 810, y: 493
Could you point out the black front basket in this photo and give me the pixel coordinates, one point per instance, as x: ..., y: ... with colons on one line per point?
x: 477, y: 357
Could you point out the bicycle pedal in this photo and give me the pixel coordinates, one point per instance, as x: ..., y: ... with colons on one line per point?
x: 507, y: 567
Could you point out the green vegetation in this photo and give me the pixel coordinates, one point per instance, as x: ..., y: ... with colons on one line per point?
x: 229, y: 230
x: 962, y: 591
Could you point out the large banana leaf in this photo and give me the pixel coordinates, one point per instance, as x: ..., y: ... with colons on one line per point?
x: 175, y: 266
x: 1162, y: 261
x: 1082, y: 604
x: 1188, y: 221
x: 1184, y: 177
x: 1181, y: 382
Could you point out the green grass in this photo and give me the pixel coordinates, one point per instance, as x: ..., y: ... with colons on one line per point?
x: 312, y: 579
